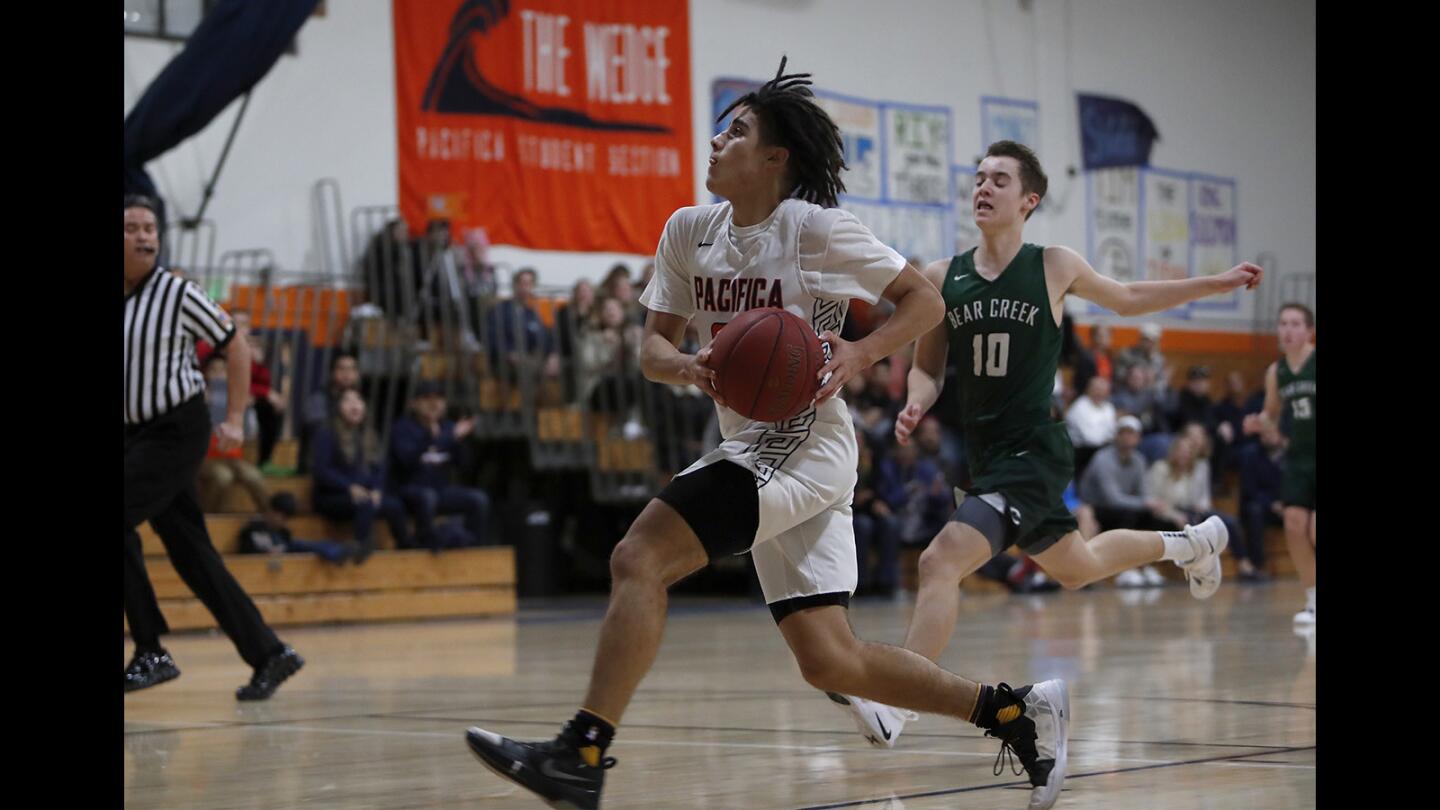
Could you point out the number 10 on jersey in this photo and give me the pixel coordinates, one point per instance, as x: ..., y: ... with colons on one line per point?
x: 992, y: 354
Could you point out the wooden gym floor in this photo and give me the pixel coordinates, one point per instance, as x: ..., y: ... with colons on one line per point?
x: 1177, y: 704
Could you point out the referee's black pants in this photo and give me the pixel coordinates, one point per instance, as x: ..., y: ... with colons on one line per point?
x: 161, y: 460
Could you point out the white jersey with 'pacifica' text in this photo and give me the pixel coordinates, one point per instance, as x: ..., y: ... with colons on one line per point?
x: 803, y: 258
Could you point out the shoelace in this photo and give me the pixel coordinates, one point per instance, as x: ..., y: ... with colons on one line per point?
x: 1007, y: 751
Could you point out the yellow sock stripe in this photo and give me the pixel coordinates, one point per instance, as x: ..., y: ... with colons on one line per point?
x: 612, y: 723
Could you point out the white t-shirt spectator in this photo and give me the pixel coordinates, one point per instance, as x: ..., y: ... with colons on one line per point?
x: 1091, y: 425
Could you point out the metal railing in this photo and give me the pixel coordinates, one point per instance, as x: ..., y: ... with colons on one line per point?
x: 418, y: 309
x: 190, y: 245
x: 1277, y: 290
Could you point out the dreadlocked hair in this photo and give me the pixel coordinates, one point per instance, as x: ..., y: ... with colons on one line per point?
x: 790, y: 118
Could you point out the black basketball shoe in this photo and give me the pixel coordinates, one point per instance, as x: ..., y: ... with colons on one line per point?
x: 553, y: 770
x: 1036, y: 728
x: 149, y: 668
x: 270, y: 675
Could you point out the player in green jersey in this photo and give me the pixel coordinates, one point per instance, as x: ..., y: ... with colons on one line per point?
x: 1290, y: 382
x: 1003, y: 303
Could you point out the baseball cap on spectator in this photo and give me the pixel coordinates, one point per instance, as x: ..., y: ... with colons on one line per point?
x: 1127, y: 422
x: 1150, y: 330
x: 429, y: 388
x: 1199, y: 373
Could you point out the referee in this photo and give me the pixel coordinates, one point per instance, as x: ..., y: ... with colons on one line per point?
x: 167, y: 433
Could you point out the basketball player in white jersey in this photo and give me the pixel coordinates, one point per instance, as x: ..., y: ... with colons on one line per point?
x: 780, y: 491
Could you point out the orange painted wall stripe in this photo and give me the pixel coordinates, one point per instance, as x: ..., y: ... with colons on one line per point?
x: 1187, y: 340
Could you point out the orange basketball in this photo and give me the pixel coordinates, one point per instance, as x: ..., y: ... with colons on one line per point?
x: 766, y: 362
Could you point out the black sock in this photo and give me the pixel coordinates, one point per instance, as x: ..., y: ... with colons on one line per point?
x: 991, y: 706
x: 589, y: 730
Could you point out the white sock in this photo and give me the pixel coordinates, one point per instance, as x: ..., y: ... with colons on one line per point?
x: 1177, y: 547
x: 1310, y: 599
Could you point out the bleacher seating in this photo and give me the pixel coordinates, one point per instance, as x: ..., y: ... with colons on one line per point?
x: 298, y: 589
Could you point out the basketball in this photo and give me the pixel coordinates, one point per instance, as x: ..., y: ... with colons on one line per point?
x: 766, y: 362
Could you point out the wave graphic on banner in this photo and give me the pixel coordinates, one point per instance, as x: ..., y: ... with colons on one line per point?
x: 457, y: 86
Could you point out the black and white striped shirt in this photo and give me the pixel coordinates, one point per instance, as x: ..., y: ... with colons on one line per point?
x: 164, y: 316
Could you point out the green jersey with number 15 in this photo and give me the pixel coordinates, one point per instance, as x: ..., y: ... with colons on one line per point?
x: 1004, y: 343
x: 1297, y: 389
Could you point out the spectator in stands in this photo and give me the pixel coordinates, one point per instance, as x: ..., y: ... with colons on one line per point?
x: 268, y: 399
x: 267, y: 402
x: 435, y: 242
x: 609, y: 360
x: 1194, y: 407
x: 573, y: 319
x: 320, y: 405
x: 477, y: 274
x: 1147, y: 353
x: 221, y: 468
x: 617, y: 285
x: 444, y: 306
x: 1094, y: 361
x: 270, y: 534
x: 1230, y: 434
x: 425, y: 450
x: 391, y: 277
x: 866, y: 420
x: 871, y: 403
x: 1091, y: 421
x: 575, y: 316
x: 916, y: 493
x: 478, y: 286
x: 1203, y: 447
x: 1193, y: 404
x: 1114, y: 488
x: 940, y: 445
x: 349, y: 472
x: 1261, y: 471
x: 684, y: 415
x: 1135, y: 396
x: 1181, y: 482
x: 516, y: 336
x: 646, y: 272
x: 875, y: 529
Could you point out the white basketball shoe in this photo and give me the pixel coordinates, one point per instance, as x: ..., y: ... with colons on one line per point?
x: 1208, y: 539
x: 1039, y: 734
x: 878, y: 723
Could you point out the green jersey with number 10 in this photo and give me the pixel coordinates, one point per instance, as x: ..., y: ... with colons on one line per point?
x: 1004, y: 343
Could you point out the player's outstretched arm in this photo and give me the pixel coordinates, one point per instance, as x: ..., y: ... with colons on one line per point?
x: 662, y: 361
x: 918, y: 307
x: 1271, y: 410
x: 1068, y: 271
x: 927, y: 372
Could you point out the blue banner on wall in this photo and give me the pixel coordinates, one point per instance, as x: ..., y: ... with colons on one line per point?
x: 1114, y: 132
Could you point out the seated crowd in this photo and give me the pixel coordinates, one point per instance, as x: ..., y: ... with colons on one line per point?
x: 412, y: 482
x: 1146, y: 456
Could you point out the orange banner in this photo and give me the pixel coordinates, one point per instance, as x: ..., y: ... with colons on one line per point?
x: 554, y: 124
